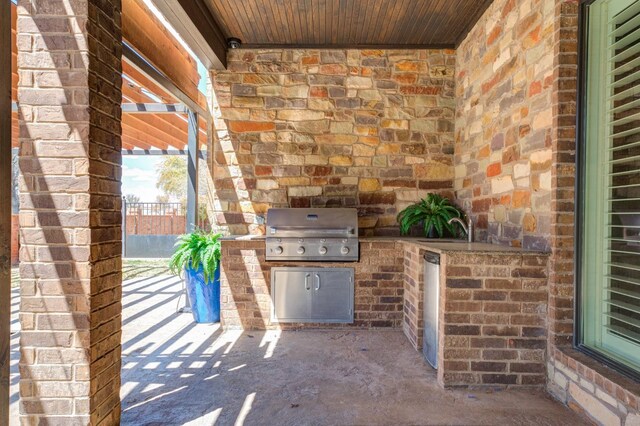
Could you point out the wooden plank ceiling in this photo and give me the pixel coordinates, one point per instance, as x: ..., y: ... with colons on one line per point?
x: 347, y: 23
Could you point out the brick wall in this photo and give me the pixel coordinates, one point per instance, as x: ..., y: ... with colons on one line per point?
x: 492, y: 316
x: 246, y: 285
x: 493, y: 325
x: 504, y: 122
x: 69, y: 57
x: 413, y: 322
x: 366, y: 128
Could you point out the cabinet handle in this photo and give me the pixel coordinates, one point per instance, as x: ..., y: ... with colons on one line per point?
x: 318, y: 283
x: 306, y: 282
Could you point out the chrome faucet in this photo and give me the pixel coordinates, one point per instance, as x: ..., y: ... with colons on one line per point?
x: 468, y: 227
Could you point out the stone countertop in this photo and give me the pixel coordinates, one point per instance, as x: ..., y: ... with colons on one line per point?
x: 243, y: 238
x: 451, y: 247
x: 438, y: 245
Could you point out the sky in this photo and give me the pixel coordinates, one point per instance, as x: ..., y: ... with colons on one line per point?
x: 139, y: 174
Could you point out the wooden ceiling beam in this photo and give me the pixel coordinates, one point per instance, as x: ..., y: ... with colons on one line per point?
x: 171, y: 120
x: 193, y: 20
x: 155, y: 129
x: 129, y: 142
x: 149, y: 37
x: 143, y: 81
x: 132, y: 133
x: 135, y: 60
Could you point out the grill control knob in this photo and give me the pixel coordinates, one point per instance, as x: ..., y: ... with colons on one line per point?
x: 300, y: 250
x: 344, y: 250
x: 278, y: 250
x: 323, y: 250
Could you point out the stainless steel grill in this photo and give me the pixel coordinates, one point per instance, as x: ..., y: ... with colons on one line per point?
x: 312, y: 234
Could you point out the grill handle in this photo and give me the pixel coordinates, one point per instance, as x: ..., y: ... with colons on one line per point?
x: 318, y: 282
x: 306, y: 229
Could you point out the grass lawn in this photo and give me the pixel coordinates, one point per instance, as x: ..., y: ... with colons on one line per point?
x: 144, y: 268
x: 131, y: 268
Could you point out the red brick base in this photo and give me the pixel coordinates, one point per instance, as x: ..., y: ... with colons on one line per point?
x: 246, y: 285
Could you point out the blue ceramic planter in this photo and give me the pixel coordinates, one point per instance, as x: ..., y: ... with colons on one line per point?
x: 203, y: 297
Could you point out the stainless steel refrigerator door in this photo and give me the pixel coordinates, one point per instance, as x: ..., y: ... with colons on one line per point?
x: 431, y: 305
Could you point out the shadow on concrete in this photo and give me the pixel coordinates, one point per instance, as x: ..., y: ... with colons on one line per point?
x: 177, y: 372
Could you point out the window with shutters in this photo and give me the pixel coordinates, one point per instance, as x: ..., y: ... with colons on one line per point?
x: 610, y: 190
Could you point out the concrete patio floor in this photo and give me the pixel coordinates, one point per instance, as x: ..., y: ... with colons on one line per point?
x: 175, y: 372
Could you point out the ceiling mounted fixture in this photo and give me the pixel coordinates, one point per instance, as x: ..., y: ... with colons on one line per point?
x: 233, y: 42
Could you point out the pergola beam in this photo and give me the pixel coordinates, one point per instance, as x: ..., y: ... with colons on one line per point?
x: 153, y: 108
x: 192, y: 19
x: 154, y: 42
x: 201, y: 154
x: 5, y: 209
x: 134, y: 94
x: 138, y: 62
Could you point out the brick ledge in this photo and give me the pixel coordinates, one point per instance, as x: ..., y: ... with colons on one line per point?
x: 601, y: 375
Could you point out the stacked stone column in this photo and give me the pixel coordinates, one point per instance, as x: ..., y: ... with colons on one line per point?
x: 69, y: 60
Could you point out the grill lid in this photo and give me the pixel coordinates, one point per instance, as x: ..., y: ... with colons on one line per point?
x: 324, y: 222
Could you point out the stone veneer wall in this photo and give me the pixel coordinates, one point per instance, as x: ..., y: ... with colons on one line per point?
x: 372, y: 129
x: 518, y: 70
x: 504, y: 121
x: 246, y: 286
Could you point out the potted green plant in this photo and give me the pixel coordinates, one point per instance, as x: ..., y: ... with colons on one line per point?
x: 198, y: 255
x: 434, y: 213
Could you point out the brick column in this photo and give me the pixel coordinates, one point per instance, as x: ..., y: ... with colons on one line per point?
x: 70, y: 94
x: 563, y: 142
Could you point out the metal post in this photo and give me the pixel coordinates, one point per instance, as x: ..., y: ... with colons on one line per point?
x: 193, y: 149
x: 124, y: 227
x: 5, y: 208
x: 192, y: 171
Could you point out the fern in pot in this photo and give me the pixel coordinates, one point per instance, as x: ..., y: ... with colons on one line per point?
x: 433, y: 214
x: 198, y: 255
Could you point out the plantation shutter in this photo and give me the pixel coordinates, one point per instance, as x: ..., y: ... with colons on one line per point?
x: 610, y: 171
x: 622, y: 291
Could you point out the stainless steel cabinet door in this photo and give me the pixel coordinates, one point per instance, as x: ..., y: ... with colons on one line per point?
x: 319, y: 295
x: 332, y: 299
x: 291, y: 294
